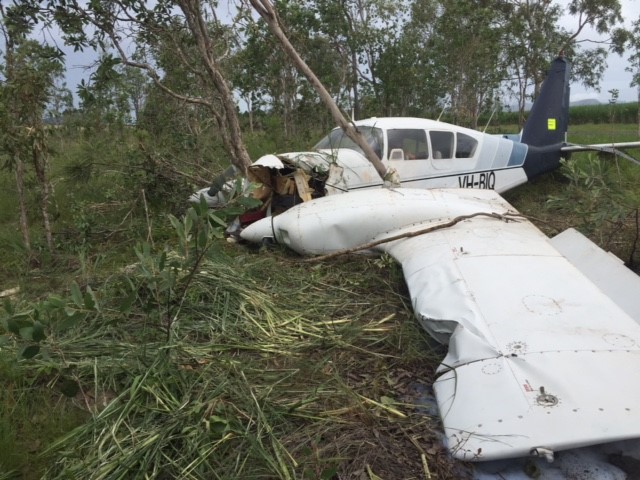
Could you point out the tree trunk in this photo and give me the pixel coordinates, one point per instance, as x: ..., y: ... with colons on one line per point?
x: 40, y: 164
x: 266, y: 11
x: 354, y: 80
x: 232, y: 135
x: 24, y: 222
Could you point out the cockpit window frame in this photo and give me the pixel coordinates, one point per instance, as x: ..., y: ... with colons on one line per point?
x: 337, y: 139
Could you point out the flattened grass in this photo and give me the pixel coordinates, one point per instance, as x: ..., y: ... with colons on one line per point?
x: 276, y: 370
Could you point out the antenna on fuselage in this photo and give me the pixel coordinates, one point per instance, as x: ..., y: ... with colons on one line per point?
x: 441, y: 112
x: 489, y: 121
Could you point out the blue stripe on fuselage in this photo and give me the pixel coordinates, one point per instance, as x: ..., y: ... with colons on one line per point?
x: 518, y: 154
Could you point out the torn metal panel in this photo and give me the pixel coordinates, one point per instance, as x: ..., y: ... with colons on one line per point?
x: 539, y: 359
x: 281, y: 183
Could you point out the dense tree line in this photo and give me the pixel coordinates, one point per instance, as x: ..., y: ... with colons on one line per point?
x: 375, y: 57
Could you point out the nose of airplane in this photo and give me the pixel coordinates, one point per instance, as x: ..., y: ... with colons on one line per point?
x: 258, y: 231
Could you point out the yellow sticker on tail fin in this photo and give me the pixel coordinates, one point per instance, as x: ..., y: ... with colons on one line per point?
x: 551, y: 124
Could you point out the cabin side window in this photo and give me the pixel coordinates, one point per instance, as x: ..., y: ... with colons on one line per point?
x: 465, y: 146
x: 407, y: 144
x: 442, y: 144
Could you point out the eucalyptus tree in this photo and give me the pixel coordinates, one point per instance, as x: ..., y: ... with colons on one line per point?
x: 530, y: 37
x: 534, y: 35
x: 629, y: 40
x: 106, y: 99
x: 269, y: 80
x: 634, y: 62
x: 269, y: 14
x: 602, y: 16
x: 466, y: 49
x: 30, y: 71
x: 190, y: 29
x: 406, y: 77
x: 412, y: 64
x: 361, y: 32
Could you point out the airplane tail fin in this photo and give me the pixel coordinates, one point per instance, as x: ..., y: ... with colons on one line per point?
x: 549, y: 117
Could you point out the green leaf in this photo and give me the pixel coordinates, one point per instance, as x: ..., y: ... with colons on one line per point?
x: 202, y: 236
x: 29, y: 351
x: 178, y: 227
x: 16, y: 323
x: 38, y: 332
x: 328, y: 473
x: 125, y: 304
x: 76, y: 295
x: 203, y: 207
x: 70, y: 320
x: 26, y: 332
x: 90, y: 301
x: 217, y: 220
x: 8, y: 306
x: 69, y: 387
x: 218, y: 425
x: 56, y: 302
x: 189, y: 219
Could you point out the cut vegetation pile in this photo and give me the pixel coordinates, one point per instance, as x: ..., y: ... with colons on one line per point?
x: 207, y: 365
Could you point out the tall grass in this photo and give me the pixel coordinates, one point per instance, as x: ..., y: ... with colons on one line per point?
x: 604, y: 114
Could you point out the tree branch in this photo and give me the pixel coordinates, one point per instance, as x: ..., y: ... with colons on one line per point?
x: 506, y: 218
x: 266, y: 10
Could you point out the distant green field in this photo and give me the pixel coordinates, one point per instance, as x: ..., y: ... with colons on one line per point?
x: 587, y: 114
x: 587, y: 133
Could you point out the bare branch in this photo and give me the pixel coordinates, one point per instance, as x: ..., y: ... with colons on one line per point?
x: 506, y: 218
x: 270, y: 16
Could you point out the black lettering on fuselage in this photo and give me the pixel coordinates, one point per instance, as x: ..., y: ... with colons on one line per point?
x: 485, y: 180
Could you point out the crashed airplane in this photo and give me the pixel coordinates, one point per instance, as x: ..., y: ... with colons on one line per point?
x: 543, y: 340
x: 425, y: 154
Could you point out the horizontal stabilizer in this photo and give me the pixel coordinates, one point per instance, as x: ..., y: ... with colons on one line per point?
x: 612, y: 148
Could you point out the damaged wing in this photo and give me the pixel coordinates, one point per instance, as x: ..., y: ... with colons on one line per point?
x: 539, y: 359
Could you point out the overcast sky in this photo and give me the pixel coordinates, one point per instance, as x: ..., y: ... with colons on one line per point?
x: 78, y: 63
x: 615, y: 77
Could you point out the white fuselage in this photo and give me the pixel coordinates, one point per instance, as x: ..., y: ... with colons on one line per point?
x: 425, y: 153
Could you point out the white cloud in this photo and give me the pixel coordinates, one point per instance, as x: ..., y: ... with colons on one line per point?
x: 615, y: 77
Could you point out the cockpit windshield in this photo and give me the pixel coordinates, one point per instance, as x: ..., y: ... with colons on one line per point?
x: 338, y: 139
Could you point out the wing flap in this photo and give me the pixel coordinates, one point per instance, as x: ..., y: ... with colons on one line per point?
x: 602, y: 268
x: 509, y: 407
